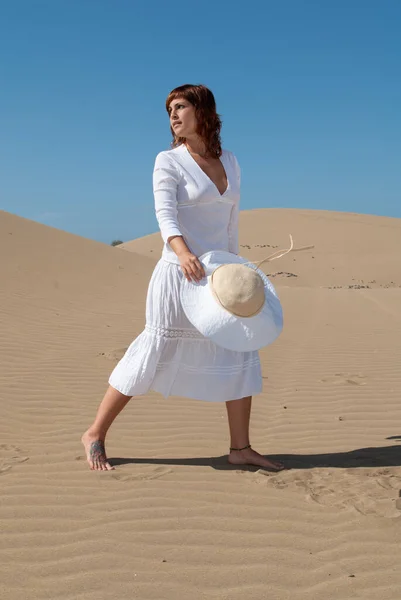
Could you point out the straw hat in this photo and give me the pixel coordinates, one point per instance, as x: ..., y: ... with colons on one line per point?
x: 235, y: 305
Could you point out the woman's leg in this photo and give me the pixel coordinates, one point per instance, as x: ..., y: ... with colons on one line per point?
x: 239, y: 413
x: 93, y: 439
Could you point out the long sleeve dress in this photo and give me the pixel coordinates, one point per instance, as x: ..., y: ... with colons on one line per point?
x: 171, y: 356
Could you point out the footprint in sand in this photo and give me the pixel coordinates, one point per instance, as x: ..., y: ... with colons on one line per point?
x: 371, y: 491
x: 349, y: 378
x: 155, y: 473
x: 10, y: 455
x: 115, y: 354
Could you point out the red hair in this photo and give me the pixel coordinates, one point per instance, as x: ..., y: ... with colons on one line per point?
x: 208, y: 121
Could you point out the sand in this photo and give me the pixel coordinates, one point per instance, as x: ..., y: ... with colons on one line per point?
x: 174, y: 521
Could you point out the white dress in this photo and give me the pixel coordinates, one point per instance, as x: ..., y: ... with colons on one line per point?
x: 170, y: 356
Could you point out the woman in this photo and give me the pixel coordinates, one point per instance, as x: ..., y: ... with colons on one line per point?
x: 197, y: 190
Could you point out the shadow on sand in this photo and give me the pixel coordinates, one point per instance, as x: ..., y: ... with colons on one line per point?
x: 385, y: 456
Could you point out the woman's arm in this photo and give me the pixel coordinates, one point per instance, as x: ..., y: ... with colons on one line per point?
x: 233, y: 243
x: 165, y: 187
x: 178, y: 244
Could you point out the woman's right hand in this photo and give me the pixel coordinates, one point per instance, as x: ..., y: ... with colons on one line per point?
x: 191, y: 266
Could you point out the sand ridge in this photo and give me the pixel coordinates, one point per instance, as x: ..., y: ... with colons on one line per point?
x: 174, y: 520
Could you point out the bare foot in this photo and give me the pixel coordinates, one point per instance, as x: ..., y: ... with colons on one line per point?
x: 95, y: 453
x: 251, y: 457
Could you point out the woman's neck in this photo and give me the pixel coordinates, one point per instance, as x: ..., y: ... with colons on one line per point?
x: 196, y: 146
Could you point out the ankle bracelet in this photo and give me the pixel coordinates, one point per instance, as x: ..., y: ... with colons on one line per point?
x: 238, y: 449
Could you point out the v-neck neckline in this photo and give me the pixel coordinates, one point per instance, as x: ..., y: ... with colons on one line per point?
x: 206, y: 175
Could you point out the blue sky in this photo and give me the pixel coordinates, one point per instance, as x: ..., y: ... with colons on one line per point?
x: 309, y: 92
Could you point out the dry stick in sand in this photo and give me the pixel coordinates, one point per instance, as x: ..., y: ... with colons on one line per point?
x: 280, y: 253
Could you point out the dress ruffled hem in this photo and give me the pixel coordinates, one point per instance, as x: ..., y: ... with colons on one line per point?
x: 174, y: 367
x: 173, y: 358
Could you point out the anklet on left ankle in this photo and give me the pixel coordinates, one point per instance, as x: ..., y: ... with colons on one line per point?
x: 238, y: 449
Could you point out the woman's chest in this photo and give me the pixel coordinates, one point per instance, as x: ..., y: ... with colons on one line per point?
x: 209, y: 183
x: 215, y: 171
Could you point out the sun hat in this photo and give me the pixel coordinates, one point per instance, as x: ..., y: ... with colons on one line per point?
x: 235, y: 305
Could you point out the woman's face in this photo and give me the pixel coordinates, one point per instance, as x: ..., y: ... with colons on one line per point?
x: 182, y: 118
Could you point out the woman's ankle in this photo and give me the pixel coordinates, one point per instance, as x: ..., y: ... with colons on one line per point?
x: 95, y: 433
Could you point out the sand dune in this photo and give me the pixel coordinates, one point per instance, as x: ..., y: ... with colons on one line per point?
x: 174, y: 521
x: 350, y: 249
